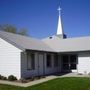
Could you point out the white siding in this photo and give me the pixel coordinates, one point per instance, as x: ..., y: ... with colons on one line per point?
x: 84, y: 63
x: 9, y: 59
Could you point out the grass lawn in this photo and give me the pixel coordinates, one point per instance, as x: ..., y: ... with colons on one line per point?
x: 69, y: 83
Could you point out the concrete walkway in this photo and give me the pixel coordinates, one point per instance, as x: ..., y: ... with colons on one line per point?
x: 42, y: 80
x: 29, y: 83
x: 73, y: 75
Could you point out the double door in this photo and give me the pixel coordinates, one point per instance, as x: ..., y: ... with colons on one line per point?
x: 69, y: 63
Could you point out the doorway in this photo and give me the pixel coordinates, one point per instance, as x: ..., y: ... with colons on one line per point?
x: 69, y: 63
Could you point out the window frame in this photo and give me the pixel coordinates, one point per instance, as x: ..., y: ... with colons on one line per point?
x: 31, y: 62
x: 48, y: 61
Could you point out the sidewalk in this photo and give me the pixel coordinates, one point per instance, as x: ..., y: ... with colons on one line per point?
x: 42, y: 80
x: 28, y: 84
x: 73, y: 75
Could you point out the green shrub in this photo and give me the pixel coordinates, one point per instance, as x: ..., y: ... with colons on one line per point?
x: 12, y: 78
x: 3, y: 77
x: 0, y: 76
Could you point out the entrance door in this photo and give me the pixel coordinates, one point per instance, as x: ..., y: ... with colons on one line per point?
x: 69, y: 63
x: 40, y: 64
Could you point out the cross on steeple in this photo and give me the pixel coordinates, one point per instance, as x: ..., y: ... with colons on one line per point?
x: 59, y: 9
x: 59, y: 28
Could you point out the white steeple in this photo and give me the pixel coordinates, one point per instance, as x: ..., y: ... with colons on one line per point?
x: 59, y: 28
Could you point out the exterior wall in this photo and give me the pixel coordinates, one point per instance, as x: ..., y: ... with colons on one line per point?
x: 52, y: 69
x: 9, y: 59
x: 39, y: 68
x: 84, y: 63
x: 25, y: 73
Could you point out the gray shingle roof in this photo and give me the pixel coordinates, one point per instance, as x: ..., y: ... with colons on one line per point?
x: 69, y: 44
x: 54, y: 44
x: 24, y: 42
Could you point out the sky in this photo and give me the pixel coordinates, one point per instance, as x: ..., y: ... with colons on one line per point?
x: 40, y: 17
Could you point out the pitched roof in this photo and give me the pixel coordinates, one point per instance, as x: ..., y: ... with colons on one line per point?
x: 51, y: 44
x: 68, y: 44
x: 23, y: 42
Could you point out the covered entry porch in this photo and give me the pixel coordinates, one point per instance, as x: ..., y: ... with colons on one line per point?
x: 35, y: 63
x: 69, y: 62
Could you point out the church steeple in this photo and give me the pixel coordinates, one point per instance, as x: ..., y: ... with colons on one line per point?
x: 59, y: 28
x: 60, y: 32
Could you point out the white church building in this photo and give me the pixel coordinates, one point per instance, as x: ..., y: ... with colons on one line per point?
x: 25, y: 57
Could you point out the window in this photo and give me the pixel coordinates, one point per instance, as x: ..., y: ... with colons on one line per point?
x: 66, y: 67
x: 49, y: 61
x: 73, y: 59
x: 30, y: 61
x: 69, y: 62
x: 73, y: 66
x: 55, y: 60
x: 65, y: 59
